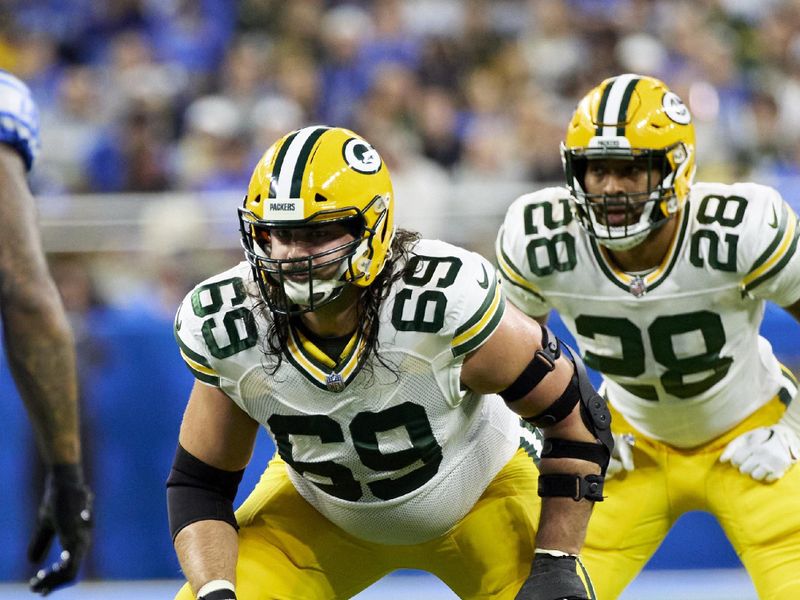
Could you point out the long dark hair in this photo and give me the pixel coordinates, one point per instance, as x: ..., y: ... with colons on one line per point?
x: 367, y: 309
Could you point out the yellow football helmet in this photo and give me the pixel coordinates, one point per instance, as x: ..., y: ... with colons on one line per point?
x: 630, y: 117
x: 318, y: 175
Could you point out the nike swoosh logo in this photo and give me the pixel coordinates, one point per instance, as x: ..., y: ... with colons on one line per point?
x: 178, y: 324
x: 485, y: 282
x: 774, y: 223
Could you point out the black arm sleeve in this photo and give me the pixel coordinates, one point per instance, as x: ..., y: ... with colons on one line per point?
x: 196, y: 491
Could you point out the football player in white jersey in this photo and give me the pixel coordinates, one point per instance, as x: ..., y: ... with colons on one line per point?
x: 39, y: 345
x: 663, y: 284
x: 373, y: 358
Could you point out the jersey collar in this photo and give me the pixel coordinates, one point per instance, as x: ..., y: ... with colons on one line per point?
x: 639, y: 285
x: 318, y: 367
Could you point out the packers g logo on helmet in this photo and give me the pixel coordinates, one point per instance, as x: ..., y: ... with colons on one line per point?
x: 361, y: 156
x: 318, y: 175
x: 630, y: 117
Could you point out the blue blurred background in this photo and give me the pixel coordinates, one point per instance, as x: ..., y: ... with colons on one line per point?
x: 154, y: 113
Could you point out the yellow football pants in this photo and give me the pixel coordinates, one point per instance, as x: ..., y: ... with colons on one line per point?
x: 287, y: 550
x: 762, y: 520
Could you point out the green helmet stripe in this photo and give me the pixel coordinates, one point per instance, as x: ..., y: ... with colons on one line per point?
x: 294, y: 153
x: 302, y: 159
x: 614, y: 105
x: 623, y: 106
x: 602, y: 108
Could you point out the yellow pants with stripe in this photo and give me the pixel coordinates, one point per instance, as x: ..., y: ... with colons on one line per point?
x: 762, y: 520
x: 287, y: 550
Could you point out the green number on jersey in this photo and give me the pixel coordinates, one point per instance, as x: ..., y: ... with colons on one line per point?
x: 430, y: 267
x: 696, y: 258
x: 203, y: 306
x: 728, y: 211
x: 432, y: 301
x: 239, y: 324
x: 543, y: 254
x: 365, y: 429
x: 549, y: 221
x: 337, y: 480
x: 662, y: 334
x: 631, y: 363
x: 717, y: 209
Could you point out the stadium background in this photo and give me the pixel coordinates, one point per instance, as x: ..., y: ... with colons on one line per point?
x: 154, y: 112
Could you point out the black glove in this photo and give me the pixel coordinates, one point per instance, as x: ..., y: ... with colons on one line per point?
x: 66, y: 511
x: 553, y: 578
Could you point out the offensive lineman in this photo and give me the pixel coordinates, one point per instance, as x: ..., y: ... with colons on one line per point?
x: 663, y: 285
x: 39, y: 346
x: 372, y: 358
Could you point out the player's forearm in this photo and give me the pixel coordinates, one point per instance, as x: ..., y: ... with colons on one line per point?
x: 563, y: 521
x: 207, y: 550
x: 41, y: 355
x: 37, y: 336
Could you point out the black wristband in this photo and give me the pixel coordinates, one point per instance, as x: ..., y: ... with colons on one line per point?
x: 67, y: 474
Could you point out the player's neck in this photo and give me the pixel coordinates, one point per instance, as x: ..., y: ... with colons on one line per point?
x: 650, y: 253
x: 338, y: 318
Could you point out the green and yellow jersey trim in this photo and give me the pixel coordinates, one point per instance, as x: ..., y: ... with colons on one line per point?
x: 315, y: 365
x: 656, y: 277
x: 777, y: 255
x: 198, y: 364
x: 477, y: 329
x: 790, y: 386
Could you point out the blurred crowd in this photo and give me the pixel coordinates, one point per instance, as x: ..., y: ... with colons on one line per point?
x: 154, y: 95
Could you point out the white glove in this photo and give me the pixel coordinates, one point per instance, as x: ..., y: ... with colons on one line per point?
x: 764, y: 453
x: 622, y: 456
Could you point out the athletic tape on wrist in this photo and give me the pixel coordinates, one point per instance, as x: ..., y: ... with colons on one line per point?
x: 216, y: 585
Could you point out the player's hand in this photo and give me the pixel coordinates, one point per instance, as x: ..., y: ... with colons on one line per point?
x: 622, y: 456
x: 765, y: 453
x: 553, y: 578
x: 66, y: 511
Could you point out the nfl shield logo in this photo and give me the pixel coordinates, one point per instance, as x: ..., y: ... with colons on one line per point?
x: 334, y: 382
x: 637, y: 287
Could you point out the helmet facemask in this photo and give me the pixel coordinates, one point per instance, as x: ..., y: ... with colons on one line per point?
x: 305, y: 283
x: 624, y: 220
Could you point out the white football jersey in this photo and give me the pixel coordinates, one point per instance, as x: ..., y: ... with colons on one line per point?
x: 399, y: 455
x: 679, y: 347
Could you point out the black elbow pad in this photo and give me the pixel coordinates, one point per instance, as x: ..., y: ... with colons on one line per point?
x: 196, y: 491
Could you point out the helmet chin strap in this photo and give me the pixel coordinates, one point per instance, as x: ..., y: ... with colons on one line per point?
x: 634, y: 239
x: 625, y: 243
x: 300, y: 292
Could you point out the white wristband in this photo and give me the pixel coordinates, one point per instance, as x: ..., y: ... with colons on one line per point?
x: 791, y: 417
x: 556, y: 553
x: 214, y: 585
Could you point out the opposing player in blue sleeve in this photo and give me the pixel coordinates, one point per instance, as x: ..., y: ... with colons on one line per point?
x: 39, y: 346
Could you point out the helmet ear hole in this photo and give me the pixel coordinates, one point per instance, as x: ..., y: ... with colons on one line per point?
x: 320, y: 198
